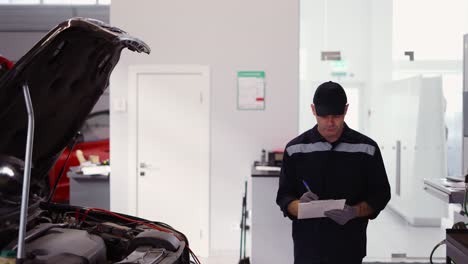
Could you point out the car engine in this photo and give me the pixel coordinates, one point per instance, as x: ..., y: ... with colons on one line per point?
x: 65, y: 234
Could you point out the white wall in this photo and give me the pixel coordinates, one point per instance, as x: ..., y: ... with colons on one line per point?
x: 335, y: 25
x: 229, y: 36
x: 381, y: 46
x: 362, y: 31
x: 429, y: 38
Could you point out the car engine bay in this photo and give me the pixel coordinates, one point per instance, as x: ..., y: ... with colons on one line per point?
x: 67, y: 234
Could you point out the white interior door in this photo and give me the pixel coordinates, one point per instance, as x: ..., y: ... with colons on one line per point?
x: 173, y: 149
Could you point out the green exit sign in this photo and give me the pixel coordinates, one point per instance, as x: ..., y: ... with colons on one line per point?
x: 338, y: 68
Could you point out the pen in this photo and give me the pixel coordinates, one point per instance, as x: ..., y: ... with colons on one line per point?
x: 307, y: 186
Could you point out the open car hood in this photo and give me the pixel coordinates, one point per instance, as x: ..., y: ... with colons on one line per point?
x: 66, y: 71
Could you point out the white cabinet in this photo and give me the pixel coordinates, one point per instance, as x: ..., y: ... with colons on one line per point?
x: 271, y: 232
x: 410, y: 130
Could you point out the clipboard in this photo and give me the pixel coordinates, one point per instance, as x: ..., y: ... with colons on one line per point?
x: 317, y: 208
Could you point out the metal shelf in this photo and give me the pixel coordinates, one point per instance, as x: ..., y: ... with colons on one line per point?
x: 441, y: 189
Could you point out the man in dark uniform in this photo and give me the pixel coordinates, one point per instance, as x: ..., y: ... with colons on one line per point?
x: 335, y: 162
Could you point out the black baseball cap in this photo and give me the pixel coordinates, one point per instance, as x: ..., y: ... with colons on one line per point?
x: 330, y: 99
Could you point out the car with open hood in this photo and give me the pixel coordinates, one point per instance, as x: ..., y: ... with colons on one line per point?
x: 45, y: 99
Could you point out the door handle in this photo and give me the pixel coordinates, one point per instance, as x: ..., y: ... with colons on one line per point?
x: 146, y: 166
x: 398, y: 168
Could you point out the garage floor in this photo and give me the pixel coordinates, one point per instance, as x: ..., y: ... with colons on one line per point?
x: 390, y: 234
x: 387, y: 235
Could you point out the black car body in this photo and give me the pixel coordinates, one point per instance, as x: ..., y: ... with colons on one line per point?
x: 66, y: 72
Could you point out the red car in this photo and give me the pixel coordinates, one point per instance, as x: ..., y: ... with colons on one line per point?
x: 94, y: 140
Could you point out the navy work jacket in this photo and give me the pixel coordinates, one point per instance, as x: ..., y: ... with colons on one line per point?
x: 350, y: 168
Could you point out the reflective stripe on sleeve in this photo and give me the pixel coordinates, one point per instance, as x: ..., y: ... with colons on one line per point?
x: 348, y: 147
x: 308, y: 148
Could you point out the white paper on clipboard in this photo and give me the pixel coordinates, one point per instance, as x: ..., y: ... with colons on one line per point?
x: 316, y: 209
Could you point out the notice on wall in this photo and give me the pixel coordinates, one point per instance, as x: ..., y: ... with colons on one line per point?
x: 251, y: 90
